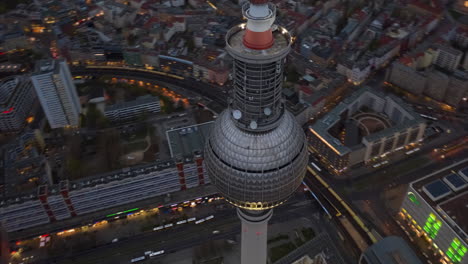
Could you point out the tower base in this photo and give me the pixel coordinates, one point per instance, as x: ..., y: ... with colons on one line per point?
x: 254, y: 235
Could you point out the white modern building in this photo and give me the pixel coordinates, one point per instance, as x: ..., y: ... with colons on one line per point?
x: 57, y: 93
x: 100, y: 192
x: 435, y: 208
x: 132, y: 109
x: 16, y: 101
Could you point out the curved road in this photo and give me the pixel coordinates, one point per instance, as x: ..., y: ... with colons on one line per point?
x: 213, y: 92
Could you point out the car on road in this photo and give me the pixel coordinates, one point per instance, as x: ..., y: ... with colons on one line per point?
x: 156, y: 253
x: 138, y: 259
x: 216, y: 232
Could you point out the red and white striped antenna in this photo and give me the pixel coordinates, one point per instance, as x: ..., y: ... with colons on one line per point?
x: 260, y: 17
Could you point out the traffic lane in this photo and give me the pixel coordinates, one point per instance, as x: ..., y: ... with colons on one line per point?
x: 429, y: 168
x: 405, y: 178
x: 425, y: 151
x: 228, y: 214
x: 150, y: 76
x: 228, y: 225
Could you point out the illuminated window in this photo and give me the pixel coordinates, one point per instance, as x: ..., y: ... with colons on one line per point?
x: 456, y: 251
x: 466, y: 3
x: 432, y: 226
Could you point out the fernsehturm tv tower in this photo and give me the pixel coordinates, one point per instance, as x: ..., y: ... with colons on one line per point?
x: 256, y: 154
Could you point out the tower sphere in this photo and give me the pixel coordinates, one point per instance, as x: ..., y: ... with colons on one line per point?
x: 256, y: 171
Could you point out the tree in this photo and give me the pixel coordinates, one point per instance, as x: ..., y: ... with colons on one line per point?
x: 74, y: 168
x: 83, y: 120
x: 95, y: 119
x: 291, y: 74
x: 92, y: 115
x: 143, y: 117
x: 374, y: 44
x: 110, y: 148
x: 190, y: 44
x: 131, y: 39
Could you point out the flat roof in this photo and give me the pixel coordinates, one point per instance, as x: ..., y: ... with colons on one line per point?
x: 185, y: 140
x: 447, y: 190
x: 457, y: 210
x: 390, y: 250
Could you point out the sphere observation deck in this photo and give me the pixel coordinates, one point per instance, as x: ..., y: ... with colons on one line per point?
x: 256, y: 171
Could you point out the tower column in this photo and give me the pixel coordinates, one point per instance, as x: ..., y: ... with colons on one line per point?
x: 254, y: 235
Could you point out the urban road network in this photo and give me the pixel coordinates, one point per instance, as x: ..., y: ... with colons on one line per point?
x: 218, y: 95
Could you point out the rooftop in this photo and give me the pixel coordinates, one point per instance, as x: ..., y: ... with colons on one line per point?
x: 322, y: 126
x: 184, y: 141
x: 391, y: 250
x: 46, y: 65
x: 447, y: 190
x: 99, y: 179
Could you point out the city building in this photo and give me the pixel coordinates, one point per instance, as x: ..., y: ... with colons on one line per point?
x: 318, y: 48
x: 447, y: 57
x: 321, y: 249
x: 214, y: 72
x: 449, y: 89
x: 434, y: 207
x: 407, y: 77
x: 178, y: 66
x: 465, y: 62
x: 183, y: 141
x: 390, y: 250
x: 457, y: 88
x: 119, y: 14
x: 437, y: 84
x: 461, y: 37
x: 365, y: 126
x: 49, y: 203
x: 256, y: 154
x: 57, y: 93
x: 17, y: 98
x: 23, y: 165
x: 356, y: 72
x: 14, y: 40
x: 133, y: 57
x: 132, y: 109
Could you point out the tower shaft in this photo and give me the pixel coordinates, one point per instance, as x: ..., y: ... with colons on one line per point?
x: 254, y: 235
